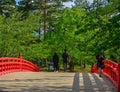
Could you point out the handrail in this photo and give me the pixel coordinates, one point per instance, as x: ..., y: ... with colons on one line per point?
x: 11, y: 64
x: 111, y: 70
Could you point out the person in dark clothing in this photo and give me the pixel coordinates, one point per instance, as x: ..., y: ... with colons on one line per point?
x: 100, y: 63
x: 65, y: 58
x: 55, y: 62
x: 20, y: 56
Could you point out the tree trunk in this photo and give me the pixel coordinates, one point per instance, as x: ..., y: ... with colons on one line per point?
x: 45, y: 18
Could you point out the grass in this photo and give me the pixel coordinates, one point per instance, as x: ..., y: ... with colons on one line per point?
x: 76, y: 69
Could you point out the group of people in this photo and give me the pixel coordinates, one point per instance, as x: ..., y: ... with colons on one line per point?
x: 65, y: 58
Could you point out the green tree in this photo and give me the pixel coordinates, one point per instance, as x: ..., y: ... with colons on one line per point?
x: 7, y: 7
x: 17, y: 35
x: 49, y: 8
x: 83, y: 4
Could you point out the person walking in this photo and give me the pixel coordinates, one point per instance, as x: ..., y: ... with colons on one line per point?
x: 65, y: 58
x: 100, y: 63
x: 55, y: 62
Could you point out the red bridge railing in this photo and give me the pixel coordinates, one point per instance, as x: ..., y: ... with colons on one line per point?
x: 111, y: 70
x: 9, y: 64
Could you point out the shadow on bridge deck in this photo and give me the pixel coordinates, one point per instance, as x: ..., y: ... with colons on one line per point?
x: 92, y: 83
x: 54, y: 82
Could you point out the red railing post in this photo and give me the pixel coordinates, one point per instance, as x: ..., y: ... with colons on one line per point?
x: 119, y: 77
x: 2, y: 67
x: 21, y: 61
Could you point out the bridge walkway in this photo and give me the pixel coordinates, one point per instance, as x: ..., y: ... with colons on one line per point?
x: 54, y: 82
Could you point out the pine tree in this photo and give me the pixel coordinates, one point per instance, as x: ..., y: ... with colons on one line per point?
x: 82, y: 3
x: 7, y: 7
x: 50, y: 10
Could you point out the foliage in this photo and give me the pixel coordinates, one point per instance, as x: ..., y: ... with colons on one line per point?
x: 83, y: 34
x: 7, y: 7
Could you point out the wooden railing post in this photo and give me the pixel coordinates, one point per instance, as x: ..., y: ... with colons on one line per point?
x: 119, y: 77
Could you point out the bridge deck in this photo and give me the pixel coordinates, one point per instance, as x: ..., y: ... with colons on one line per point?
x: 54, y: 82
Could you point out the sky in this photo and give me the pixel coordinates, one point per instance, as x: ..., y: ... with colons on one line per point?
x: 67, y: 4
x: 17, y: 1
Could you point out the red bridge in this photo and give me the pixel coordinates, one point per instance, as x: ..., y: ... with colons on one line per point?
x: 57, y: 82
x: 10, y: 64
x: 111, y: 70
